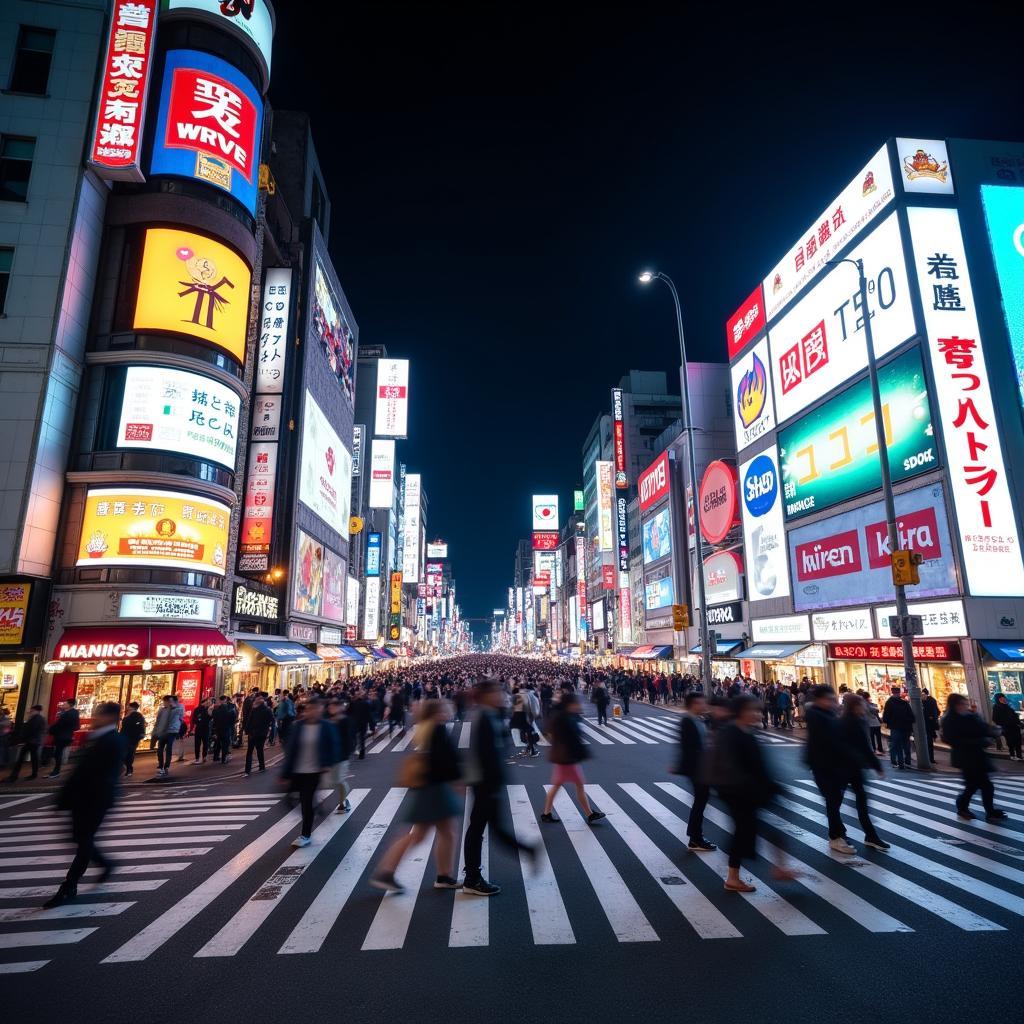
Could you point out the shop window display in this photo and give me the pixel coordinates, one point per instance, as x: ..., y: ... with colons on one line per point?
x: 10, y: 685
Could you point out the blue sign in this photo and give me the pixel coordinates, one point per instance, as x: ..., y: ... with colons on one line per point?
x: 209, y: 126
x: 657, y: 537
x: 373, y: 554
x: 1004, y: 211
x: 760, y: 486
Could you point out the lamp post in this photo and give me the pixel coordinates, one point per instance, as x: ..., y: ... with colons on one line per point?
x: 907, y: 642
x: 645, y: 278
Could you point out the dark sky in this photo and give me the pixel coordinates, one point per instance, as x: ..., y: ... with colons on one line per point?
x: 498, y: 178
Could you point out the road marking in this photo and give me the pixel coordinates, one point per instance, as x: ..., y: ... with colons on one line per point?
x: 600, y: 737
x: 464, y: 736
x: 470, y: 922
x: 648, y: 729
x: 20, y: 915
x: 391, y: 922
x: 380, y: 747
x: 119, y: 869
x: 29, y: 862
x: 24, y: 967
x: 946, y: 810
x: 617, y: 726
x: 23, y: 800
x: 31, y: 892
x: 404, y: 741
x: 56, y: 937
x: 162, y: 841
x: 221, y: 821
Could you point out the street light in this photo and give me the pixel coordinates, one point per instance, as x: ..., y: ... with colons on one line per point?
x: 907, y: 641
x: 646, y: 278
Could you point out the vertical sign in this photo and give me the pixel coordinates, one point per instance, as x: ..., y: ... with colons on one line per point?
x: 622, y: 525
x: 273, y: 349
x: 396, y: 593
x: 578, y: 502
x: 981, y: 496
x: 604, y: 505
x: 619, y: 440
x: 392, y: 412
x: 581, y: 585
x: 358, y: 433
x: 625, y: 610
x: 411, y: 538
x: 382, y: 473
x: 371, y: 610
x: 124, y: 84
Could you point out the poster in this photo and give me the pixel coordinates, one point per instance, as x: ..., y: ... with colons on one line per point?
x: 309, y: 575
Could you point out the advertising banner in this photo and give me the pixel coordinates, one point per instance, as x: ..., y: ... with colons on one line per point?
x: 545, y: 512
x: 985, y: 514
x: 658, y: 591
x: 622, y: 531
x: 373, y: 546
x: 581, y: 580
x: 190, y: 284
x: 544, y: 540
x: 764, y: 539
x: 13, y: 612
x: 334, y: 587
x: 608, y: 575
x: 723, y: 577
x: 352, y: 602
x: 258, y: 509
x: 597, y: 611
x: 411, y: 535
x: 605, y: 476
x: 392, y: 410
x: 266, y: 418
x: 308, y: 594
x: 358, y: 434
x: 325, y: 473
x: 830, y: 455
x: 209, y: 125
x: 273, y: 348
x: 746, y: 323
x: 845, y: 559
x: 820, y: 343
x: 167, y: 529
x: 396, y: 593
x: 719, y: 501
x: 619, y: 440
x: 437, y: 549
x: 255, y: 604
x: 791, y: 628
x: 754, y: 408
x: 180, y: 607
x: 579, y: 505
x: 656, y: 536
x: 371, y: 609
x: 730, y: 614
x: 849, y: 624
x: 924, y: 165
x: 938, y: 618
x: 330, y: 326
x: 653, y: 483
x: 249, y: 19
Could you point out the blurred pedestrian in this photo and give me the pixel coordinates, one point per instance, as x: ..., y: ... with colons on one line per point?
x: 873, y: 718
x: 829, y: 761
x: 312, y: 748
x: 284, y: 715
x: 62, y: 732
x: 257, y: 731
x: 567, y: 752
x: 342, y: 721
x: 201, y: 722
x: 168, y: 723
x: 133, y: 729
x: 1006, y: 718
x: 968, y: 734
x: 930, y: 709
x: 899, y: 717
x: 33, y: 729
x: 223, y: 722
x: 856, y: 745
x: 693, y: 736
x: 599, y: 695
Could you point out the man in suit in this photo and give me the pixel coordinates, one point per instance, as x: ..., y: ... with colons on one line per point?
x: 88, y: 795
x: 692, y: 744
x: 63, y: 732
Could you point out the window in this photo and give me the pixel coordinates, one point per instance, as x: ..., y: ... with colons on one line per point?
x: 6, y: 259
x: 32, y: 61
x: 318, y: 205
x: 15, y: 167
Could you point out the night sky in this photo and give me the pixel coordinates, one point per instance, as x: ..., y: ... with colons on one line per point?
x: 498, y: 179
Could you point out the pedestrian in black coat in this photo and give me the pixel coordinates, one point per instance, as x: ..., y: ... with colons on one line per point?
x: 63, y: 732
x: 693, y: 742
x: 223, y: 721
x: 31, y: 734
x: 257, y: 729
x: 1007, y: 719
x: 133, y: 729
x: 968, y: 736
x: 202, y: 722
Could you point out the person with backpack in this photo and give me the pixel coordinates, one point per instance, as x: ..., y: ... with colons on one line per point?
x: 133, y: 729
x: 566, y: 754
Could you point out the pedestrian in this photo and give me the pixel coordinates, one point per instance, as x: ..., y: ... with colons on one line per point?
x: 485, y: 774
x: 201, y: 722
x: 874, y: 721
x: 182, y: 725
x: 1006, y: 718
x: 362, y: 716
x: 168, y: 724
x: 88, y: 794
x: 599, y: 695
x: 830, y: 764
x: 968, y: 734
x: 567, y: 752
x: 312, y: 748
x: 930, y: 708
x: 899, y: 717
x: 31, y: 737
x: 257, y: 731
x: 346, y: 745
x: 133, y: 729
x: 624, y: 689
x: 430, y: 770
x: 223, y: 723
x: 62, y: 732
x: 693, y: 732
x: 856, y: 746
x: 284, y: 714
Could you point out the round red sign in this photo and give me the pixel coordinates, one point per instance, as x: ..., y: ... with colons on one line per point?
x: 719, y: 501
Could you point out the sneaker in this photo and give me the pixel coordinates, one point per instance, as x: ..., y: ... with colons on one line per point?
x: 878, y: 844
x: 385, y: 880
x: 595, y: 816
x: 701, y: 846
x: 841, y: 846
x: 446, y: 882
x: 53, y: 775
x: 247, y: 774
x: 480, y: 887
x: 550, y: 819
x: 347, y: 804
x: 262, y: 770
x: 996, y: 816
x: 300, y: 841
x: 536, y: 753
x: 196, y: 761
x: 964, y: 815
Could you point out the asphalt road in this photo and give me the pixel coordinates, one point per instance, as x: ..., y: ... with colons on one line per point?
x: 212, y: 915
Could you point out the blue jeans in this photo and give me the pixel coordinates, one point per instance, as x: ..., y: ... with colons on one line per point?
x: 899, y: 747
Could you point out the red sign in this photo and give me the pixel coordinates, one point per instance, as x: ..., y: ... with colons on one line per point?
x: 545, y: 540
x: 619, y: 430
x: 165, y: 643
x: 931, y: 651
x: 124, y: 83
x: 719, y: 501
x: 745, y: 324
x: 653, y: 483
x: 607, y: 577
x: 917, y: 531
x: 836, y: 555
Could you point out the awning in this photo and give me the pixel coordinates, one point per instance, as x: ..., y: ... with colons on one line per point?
x: 329, y: 653
x: 650, y: 652
x: 140, y: 643
x: 725, y: 647
x: 351, y: 654
x: 1003, y: 650
x: 381, y: 653
x: 282, y: 652
x: 625, y: 652
x: 771, y: 652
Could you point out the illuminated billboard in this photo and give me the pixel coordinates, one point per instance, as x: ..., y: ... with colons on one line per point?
x: 605, y: 484
x: 331, y: 326
x: 258, y: 508
x: 657, y: 536
x: 411, y: 534
x: 764, y: 538
x: 325, y: 472
x: 545, y: 512
x: 251, y: 20
x: 308, y: 575
x: 373, y: 546
x: 382, y: 473
x: 753, y: 404
x: 437, y: 549
x: 392, y: 408
x: 619, y: 440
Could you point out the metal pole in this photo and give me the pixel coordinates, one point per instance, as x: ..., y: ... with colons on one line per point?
x: 909, y: 668
x: 698, y: 541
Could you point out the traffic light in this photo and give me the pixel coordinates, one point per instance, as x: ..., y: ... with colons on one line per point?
x: 904, y: 568
x: 680, y: 617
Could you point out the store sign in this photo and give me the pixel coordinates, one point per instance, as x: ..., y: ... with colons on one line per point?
x: 746, y: 323
x: 266, y: 418
x: 723, y: 578
x: 625, y: 610
x: 392, y: 411
x: 831, y: 455
x: 181, y: 412
x: 373, y: 545
x: 116, y: 146
x: 622, y: 531
x: 275, y: 309
x: 411, y: 533
x: 619, y: 440
x: 608, y: 574
x: 249, y: 19
x: 653, y: 483
x: 303, y: 633
x: 726, y: 614
x: 164, y: 529
x: 335, y: 574
x: 782, y: 628
x: 754, y: 409
x: 180, y: 607
x: 574, y: 620
x: 325, y: 472
x: 846, y: 559
x: 396, y: 593
x: 605, y: 477
x: 1004, y: 213
x: 191, y: 284
x: 658, y: 590
x: 581, y: 581
x: 544, y: 540
x: 438, y: 549
x: 330, y: 635
x: 258, y: 508
x: 382, y: 473
x: 987, y: 521
x: 371, y: 609
x: 545, y: 512
x: 719, y: 501
x: 850, y: 624
x: 14, y: 598
x: 352, y: 602
x: 578, y: 502
x: 847, y: 215
x: 820, y: 343
x: 764, y: 539
x: 358, y: 433
x: 597, y: 611
x: 924, y: 166
x: 928, y: 651
x: 938, y: 618
x: 254, y: 604
x: 209, y: 125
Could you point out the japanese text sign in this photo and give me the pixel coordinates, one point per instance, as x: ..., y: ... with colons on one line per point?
x: 746, y: 323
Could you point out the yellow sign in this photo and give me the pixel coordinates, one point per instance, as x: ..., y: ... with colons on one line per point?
x: 396, y: 593
x: 13, y: 610
x: 355, y: 525
x: 191, y: 284
x: 160, y: 528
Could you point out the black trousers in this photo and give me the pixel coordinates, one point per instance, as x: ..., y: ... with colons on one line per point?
x: 625, y: 704
x: 860, y: 797
x: 255, y: 743
x: 129, y: 755
x: 486, y: 813
x: 305, y: 785
x: 202, y: 744
x: 602, y: 714
x: 695, y: 823
x: 976, y: 779
x: 84, y: 826
x: 59, y: 750
x: 221, y: 746
x: 32, y: 749
x: 744, y: 831
x: 832, y: 789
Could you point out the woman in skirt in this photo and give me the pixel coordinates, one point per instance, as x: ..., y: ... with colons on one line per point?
x: 433, y: 803
x: 567, y: 751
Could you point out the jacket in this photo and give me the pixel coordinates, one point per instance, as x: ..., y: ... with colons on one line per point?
x: 566, y: 740
x: 1006, y: 718
x: 691, y: 747
x: 346, y: 736
x: 486, y: 761
x: 967, y: 736
x: 329, y: 747
x: 133, y: 728
x: 201, y: 720
x: 223, y: 717
x: 285, y: 709
x: 259, y: 722
x: 166, y: 722
x: 737, y: 767
x: 856, y: 741
x: 92, y: 787
x: 442, y: 757
x: 823, y: 752
x: 32, y: 730
x: 65, y: 726
x: 599, y: 695
x: 898, y: 714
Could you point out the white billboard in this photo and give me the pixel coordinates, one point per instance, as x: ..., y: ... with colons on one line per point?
x: 437, y: 549
x: 352, y: 601
x: 753, y: 405
x: 392, y: 412
x: 985, y: 515
x: 325, y: 474
x: 545, y: 511
x: 411, y: 531
x: 849, y: 624
x: 764, y: 540
x: 939, y: 619
x: 251, y: 19
x: 181, y: 412
x: 382, y: 473
x: 371, y: 610
x: 605, y: 484
x: 273, y: 348
x: 781, y: 628
x: 924, y: 166
x: 820, y: 343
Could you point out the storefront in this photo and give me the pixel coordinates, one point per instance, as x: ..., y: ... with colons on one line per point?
x: 878, y: 666
x: 786, y: 664
x: 338, y: 662
x: 273, y: 664
x: 1004, y: 670
x: 724, y: 664
x: 22, y: 617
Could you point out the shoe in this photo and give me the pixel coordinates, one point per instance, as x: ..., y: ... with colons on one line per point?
x: 196, y: 761
x: 536, y: 753
x: 65, y: 894
x: 53, y: 775
x: 300, y: 841
x: 480, y: 887
x: 347, y: 804
x: 247, y: 774
x: 104, y: 875
x: 842, y: 846
x: 595, y: 816
x: 964, y: 814
x: 262, y: 770
x: 739, y: 887
x: 447, y: 882
x: 385, y: 880
x: 995, y: 816
x: 550, y: 819
x: 878, y: 844
x: 701, y: 846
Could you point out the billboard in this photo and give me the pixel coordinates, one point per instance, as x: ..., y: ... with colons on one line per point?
x: 622, y: 531
x: 325, y: 473
x: 544, y: 540
x: 605, y: 477
x: 437, y: 549
x: 308, y: 575
x: 163, y: 529
x: 764, y: 539
x: 273, y: 347
x: 746, y: 323
x: 578, y: 503
x: 924, y: 166
x: 845, y: 559
x: 371, y: 609
x: 987, y: 522
x: 191, y: 284
x: 392, y: 410
x: 382, y: 473
x: 820, y: 343
x: 258, y: 508
x: 352, y: 602
x: 653, y: 483
x: 658, y: 590
x: 411, y: 534
x: 14, y: 598
x: 719, y: 501
x: 545, y: 512
x: 333, y: 607
x: 753, y: 404
x: 396, y: 593
x: 723, y: 577
x: 854, y: 208
x: 938, y: 619
x: 177, y: 411
x: 209, y: 125
x: 358, y: 433
x: 619, y: 440
x: 656, y: 533
x: 830, y: 455
x: 331, y: 326
x: 373, y: 548
x: 250, y: 19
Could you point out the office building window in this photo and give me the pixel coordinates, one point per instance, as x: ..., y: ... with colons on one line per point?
x: 15, y: 167
x: 6, y: 259
x: 32, y: 61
